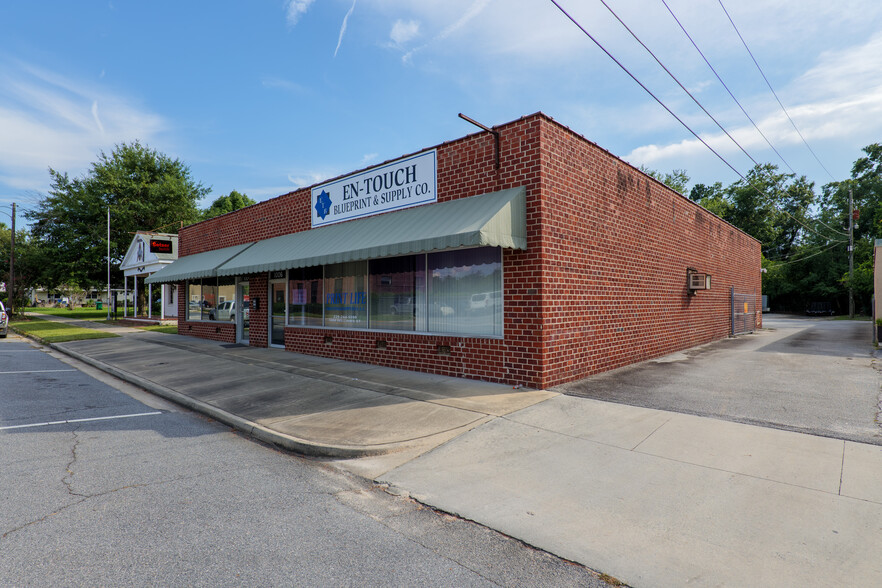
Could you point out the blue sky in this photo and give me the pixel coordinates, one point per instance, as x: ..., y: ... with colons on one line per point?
x: 270, y: 95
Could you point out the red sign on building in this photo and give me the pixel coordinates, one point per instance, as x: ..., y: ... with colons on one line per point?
x: 160, y: 246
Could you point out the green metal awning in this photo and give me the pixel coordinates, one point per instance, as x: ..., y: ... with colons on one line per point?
x: 200, y: 265
x: 497, y: 219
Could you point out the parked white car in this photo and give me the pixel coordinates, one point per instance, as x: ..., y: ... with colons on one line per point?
x: 4, y: 321
x: 484, y: 300
x: 226, y: 311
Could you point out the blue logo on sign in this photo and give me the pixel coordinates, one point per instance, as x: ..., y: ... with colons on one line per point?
x: 323, y: 204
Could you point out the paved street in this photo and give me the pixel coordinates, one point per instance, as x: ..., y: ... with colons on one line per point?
x: 152, y: 494
x: 668, y: 481
x: 815, y: 376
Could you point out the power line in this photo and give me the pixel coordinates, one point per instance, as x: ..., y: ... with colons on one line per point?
x: 762, y: 73
x: 647, y: 90
x: 694, y: 99
x: 779, y: 262
x: 673, y: 77
x: 663, y: 105
x: 691, y: 40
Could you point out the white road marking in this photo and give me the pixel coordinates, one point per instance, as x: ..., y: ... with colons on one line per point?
x: 37, y: 372
x: 106, y: 418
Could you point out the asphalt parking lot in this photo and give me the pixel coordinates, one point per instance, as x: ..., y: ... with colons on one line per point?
x: 814, y: 376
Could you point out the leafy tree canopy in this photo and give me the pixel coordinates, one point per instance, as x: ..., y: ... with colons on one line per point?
x: 30, y: 263
x: 145, y: 190
x: 229, y: 203
x: 676, y: 180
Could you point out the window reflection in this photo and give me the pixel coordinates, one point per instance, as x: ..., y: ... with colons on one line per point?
x: 194, y: 301
x: 345, y: 296
x: 395, y: 303
x: 456, y: 292
x: 305, y: 302
x: 465, y: 291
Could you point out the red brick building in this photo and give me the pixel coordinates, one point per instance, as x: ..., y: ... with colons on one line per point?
x: 543, y: 262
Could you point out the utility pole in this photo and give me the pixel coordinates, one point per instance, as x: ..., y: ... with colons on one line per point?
x: 10, y: 288
x: 850, y: 254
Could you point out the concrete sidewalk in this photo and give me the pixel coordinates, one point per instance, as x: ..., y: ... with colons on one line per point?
x: 312, y: 405
x: 656, y: 498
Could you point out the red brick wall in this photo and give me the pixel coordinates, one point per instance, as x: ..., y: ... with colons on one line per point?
x: 602, y: 283
x: 616, y: 249
x: 258, y: 323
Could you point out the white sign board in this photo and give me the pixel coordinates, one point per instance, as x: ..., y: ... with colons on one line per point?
x: 400, y: 184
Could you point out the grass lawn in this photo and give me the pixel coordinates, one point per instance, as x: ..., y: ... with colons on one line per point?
x: 82, y: 314
x: 171, y: 329
x: 55, y: 332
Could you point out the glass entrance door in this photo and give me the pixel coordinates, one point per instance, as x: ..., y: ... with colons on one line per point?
x: 277, y: 315
x: 243, y: 302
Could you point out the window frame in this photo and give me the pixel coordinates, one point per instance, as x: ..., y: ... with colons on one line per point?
x: 421, y: 323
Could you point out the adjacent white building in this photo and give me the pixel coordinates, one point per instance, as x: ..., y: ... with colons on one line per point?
x: 147, y: 254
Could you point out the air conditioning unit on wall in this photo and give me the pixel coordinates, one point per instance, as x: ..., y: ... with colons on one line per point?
x: 697, y: 281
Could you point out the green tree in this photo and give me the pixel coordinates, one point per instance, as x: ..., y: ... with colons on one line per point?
x: 30, y: 264
x: 865, y: 185
x: 772, y: 207
x: 229, y: 203
x: 776, y: 209
x: 677, y: 179
x: 144, y: 189
x: 712, y: 197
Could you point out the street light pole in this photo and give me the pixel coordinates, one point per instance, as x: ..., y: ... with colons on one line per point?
x: 108, y: 262
x: 10, y: 288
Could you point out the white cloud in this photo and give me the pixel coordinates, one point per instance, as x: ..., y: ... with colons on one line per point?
x: 95, y: 116
x: 343, y: 27
x: 295, y: 9
x: 468, y: 15
x: 848, y: 71
x: 49, y: 120
x: 404, y: 31
x: 838, y: 98
x: 282, y: 84
x: 301, y: 180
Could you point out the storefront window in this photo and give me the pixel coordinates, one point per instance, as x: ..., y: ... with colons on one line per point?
x: 305, y: 296
x: 395, y: 299
x: 345, y: 295
x: 454, y: 292
x: 194, y: 301
x: 209, y: 299
x: 465, y: 291
x: 225, y: 309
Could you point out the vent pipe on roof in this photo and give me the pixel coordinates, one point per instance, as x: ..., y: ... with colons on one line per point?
x: 486, y: 128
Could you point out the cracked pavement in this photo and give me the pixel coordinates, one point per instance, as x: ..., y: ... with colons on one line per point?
x: 175, y: 498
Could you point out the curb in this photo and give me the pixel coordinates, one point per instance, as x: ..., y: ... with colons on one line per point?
x: 252, y: 429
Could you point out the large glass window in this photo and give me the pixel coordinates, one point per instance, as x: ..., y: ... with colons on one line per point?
x: 211, y: 299
x: 305, y: 297
x: 194, y: 301
x: 455, y: 292
x: 465, y: 291
x: 225, y: 309
x: 396, y: 303
x: 346, y: 295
